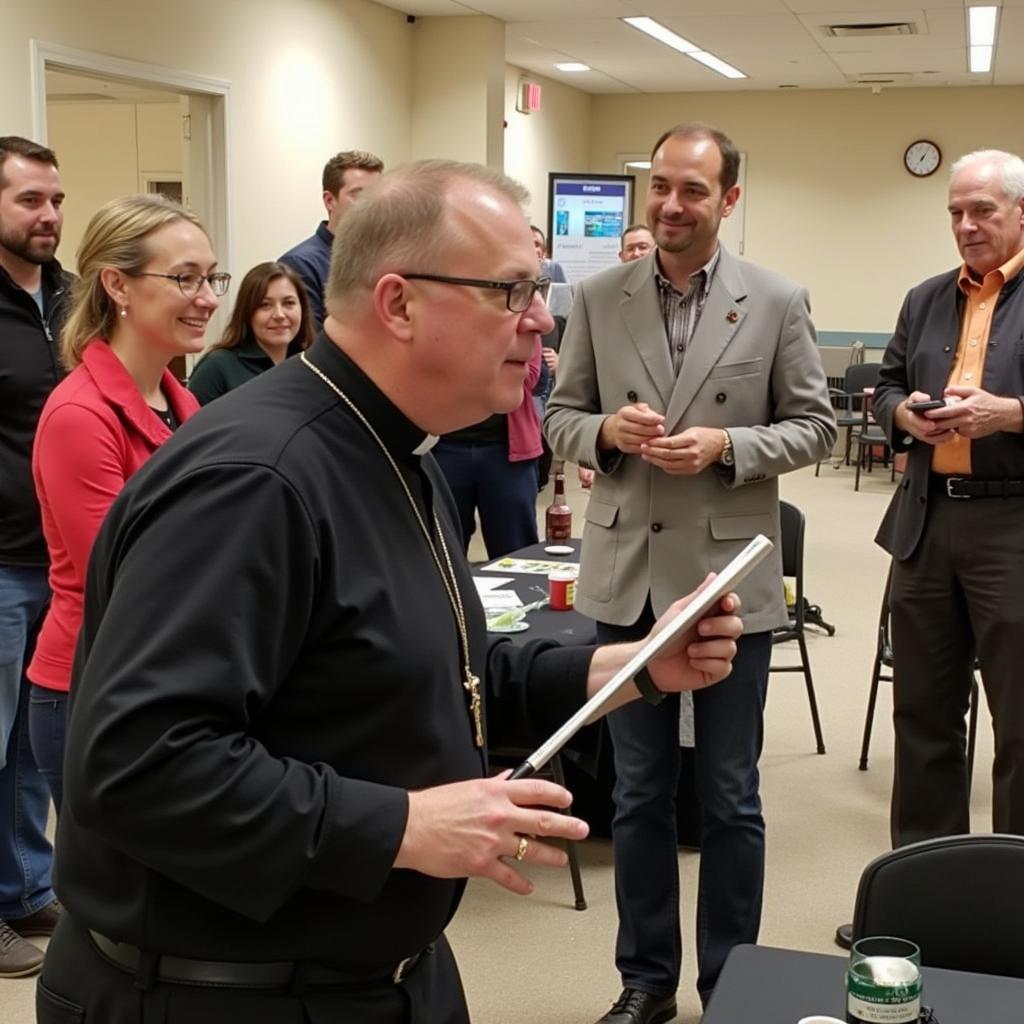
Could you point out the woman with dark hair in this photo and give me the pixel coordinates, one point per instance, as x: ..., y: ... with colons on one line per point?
x: 271, y: 321
x: 148, y: 286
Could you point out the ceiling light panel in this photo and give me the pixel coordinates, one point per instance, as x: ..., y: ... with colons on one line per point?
x: 665, y: 35
x: 980, y: 59
x: 656, y: 30
x: 709, y: 60
x: 982, y: 25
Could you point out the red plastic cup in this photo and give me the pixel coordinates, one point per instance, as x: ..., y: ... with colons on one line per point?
x: 562, y: 588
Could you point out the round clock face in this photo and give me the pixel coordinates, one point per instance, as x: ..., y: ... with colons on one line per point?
x: 922, y: 158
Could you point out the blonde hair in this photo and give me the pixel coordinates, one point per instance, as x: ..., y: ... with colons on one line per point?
x: 403, y: 220
x: 116, y: 237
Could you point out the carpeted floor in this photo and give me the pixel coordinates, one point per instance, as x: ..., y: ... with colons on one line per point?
x: 539, y: 961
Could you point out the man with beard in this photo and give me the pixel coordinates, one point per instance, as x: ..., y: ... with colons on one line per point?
x: 33, y: 290
x: 689, y: 382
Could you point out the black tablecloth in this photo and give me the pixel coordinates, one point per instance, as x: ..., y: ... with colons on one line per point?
x: 780, y: 986
x: 590, y: 776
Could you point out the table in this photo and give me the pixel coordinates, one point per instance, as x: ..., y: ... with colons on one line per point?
x: 566, y: 627
x: 590, y: 770
x: 779, y: 986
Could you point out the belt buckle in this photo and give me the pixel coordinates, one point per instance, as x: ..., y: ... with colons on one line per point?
x: 950, y: 481
x: 402, y: 970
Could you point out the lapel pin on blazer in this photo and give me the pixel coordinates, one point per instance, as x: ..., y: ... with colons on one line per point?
x: 732, y: 316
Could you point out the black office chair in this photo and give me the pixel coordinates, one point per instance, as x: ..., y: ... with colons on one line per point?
x: 959, y: 898
x: 792, y: 528
x: 849, y: 403
x: 883, y: 660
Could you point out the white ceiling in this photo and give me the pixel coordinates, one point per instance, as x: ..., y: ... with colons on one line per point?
x: 777, y: 43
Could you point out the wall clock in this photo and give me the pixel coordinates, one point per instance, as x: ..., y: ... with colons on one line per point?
x: 922, y: 158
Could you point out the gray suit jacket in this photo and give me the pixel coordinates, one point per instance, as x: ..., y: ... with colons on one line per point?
x: 752, y: 367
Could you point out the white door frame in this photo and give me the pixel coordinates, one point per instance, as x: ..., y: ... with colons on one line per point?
x: 44, y: 54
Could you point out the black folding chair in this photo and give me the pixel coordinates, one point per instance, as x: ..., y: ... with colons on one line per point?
x: 512, y: 757
x: 849, y: 403
x: 792, y: 523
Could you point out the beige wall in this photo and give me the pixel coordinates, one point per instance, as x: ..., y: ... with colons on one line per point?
x: 136, y: 139
x: 828, y: 200
x: 307, y: 79
x: 457, y: 89
x: 557, y: 138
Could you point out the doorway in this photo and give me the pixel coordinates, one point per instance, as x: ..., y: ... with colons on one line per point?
x: 159, y: 130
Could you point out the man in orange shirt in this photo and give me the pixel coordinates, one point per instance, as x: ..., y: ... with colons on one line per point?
x: 955, y: 528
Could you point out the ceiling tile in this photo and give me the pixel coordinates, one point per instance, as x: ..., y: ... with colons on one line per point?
x: 775, y: 42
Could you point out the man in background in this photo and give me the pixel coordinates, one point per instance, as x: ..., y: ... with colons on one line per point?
x: 690, y: 382
x: 33, y: 296
x: 548, y: 267
x: 345, y: 177
x: 637, y: 241
x: 955, y: 527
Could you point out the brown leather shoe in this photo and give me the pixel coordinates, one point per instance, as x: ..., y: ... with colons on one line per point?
x: 18, y: 957
x: 42, y: 922
x: 636, y: 1007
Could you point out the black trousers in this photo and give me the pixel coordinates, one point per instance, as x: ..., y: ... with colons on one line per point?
x: 962, y: 588
x: 81, y: 986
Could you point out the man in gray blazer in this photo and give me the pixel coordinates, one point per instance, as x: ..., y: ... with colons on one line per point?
x: 689, y: 380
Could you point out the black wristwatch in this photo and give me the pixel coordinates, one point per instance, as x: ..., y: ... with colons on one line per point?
x: 645, y: 684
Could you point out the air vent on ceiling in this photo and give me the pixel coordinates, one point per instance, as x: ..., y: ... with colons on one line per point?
x: 881, y: 78
x: 871, y: 29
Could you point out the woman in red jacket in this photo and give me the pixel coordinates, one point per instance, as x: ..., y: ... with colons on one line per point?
x: 147, y: 290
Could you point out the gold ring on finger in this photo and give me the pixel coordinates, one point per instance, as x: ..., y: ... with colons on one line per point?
x: 524, y: 845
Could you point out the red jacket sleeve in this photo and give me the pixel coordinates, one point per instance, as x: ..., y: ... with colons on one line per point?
x: 80, y: 469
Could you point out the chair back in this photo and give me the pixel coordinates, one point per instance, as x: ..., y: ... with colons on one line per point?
x: 791, y: 530
x: 860, y: 376
x: 960, y: 898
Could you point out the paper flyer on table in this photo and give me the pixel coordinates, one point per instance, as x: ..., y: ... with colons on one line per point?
x: 534, y: 566
x: 485, y: 583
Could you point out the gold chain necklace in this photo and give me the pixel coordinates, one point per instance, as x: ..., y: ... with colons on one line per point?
x: 471, y: 682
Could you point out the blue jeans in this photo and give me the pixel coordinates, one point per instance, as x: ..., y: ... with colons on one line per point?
x: 505, y: 493
x: 47, y: 726
x: 25, y: 852
x: 729, y: 730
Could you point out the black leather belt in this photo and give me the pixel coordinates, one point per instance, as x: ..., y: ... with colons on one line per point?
x: 974, y: 487
x: 274, y: 974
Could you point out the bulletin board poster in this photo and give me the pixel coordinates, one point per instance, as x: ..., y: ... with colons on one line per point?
x: 588, y: 213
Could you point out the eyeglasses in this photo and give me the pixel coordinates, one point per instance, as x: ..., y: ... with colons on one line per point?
x: 190, y: 284
x: 518, y: 294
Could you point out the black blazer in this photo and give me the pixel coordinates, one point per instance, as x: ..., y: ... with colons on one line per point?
x: 919, y: 358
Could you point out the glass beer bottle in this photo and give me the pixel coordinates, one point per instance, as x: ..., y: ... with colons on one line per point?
x: 558, y: 516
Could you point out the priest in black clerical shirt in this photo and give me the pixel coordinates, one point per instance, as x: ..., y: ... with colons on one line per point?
x: 276, y: 760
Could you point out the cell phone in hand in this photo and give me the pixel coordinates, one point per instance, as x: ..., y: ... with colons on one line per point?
x: 932, y: 403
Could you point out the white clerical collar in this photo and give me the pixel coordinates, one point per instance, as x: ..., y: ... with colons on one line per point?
x: 426, y: 444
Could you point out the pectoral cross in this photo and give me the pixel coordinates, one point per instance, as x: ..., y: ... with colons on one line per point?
x: 472, y: 686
